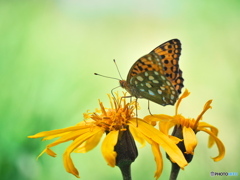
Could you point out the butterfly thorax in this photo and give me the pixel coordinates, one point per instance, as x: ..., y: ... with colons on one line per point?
x: 131, y: 90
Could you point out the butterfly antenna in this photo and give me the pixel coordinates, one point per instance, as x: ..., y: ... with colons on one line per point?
x: 117, y: 68
x: 106, y: 76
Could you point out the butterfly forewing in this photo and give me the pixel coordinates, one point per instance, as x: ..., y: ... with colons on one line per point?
x: 149, y: 62
x: 156, y: 76
x: 169, y: 53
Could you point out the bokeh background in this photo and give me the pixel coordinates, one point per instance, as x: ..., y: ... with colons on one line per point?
x: 49, y: 51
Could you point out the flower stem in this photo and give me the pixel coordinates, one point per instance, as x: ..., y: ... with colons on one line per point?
x: 126, y: 171
x: 174, y: 171
x: 177, y: 132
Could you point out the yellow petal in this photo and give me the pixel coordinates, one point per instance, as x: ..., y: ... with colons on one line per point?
x: 205, y: 108
x: 220, y: 145
x: 91, y: 143
x: 165, y: 121
x: 57, y: 131
x: 68, y: 163
x: 163, y: 140
x: 157, y: 117
x: 50, y: 152
x: 108, y: 148
x: 165, y: 126
x: 213, y: 129
x: 69, y: 136
x: 176, y: 140
x: 190, y: 140
x: 184, y: 95
x: 158, y: 157
x: 54, y: 136
x: 137, y: 136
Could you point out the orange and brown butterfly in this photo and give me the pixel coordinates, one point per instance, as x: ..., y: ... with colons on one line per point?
x: 156, y: 76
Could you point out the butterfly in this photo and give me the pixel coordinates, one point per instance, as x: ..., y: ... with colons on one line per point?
x: 156, y: 76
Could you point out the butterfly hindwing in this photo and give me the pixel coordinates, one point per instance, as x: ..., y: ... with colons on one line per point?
x: 154, y: 87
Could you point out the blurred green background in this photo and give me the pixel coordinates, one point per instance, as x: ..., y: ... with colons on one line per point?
x: 49, y: 51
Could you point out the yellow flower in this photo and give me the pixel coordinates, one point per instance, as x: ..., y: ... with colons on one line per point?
x: 113, y: 122
x: 189, y: 127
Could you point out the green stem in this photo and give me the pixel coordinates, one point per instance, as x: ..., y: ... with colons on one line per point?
x: 174, y: 171
x: 126, y: 171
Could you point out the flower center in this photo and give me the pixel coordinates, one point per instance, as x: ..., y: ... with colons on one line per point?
x: 114, y: 118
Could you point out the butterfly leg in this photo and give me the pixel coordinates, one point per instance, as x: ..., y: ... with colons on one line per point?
x: 149, y: 108
x: 126, y: 96
x: 136, y: 112
x: 113, y: 93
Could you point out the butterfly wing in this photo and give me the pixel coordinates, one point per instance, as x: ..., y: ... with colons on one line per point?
x: 154, y: 87
x: 169, y: 53
x: 161, y: 66
x: 151, y: 83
